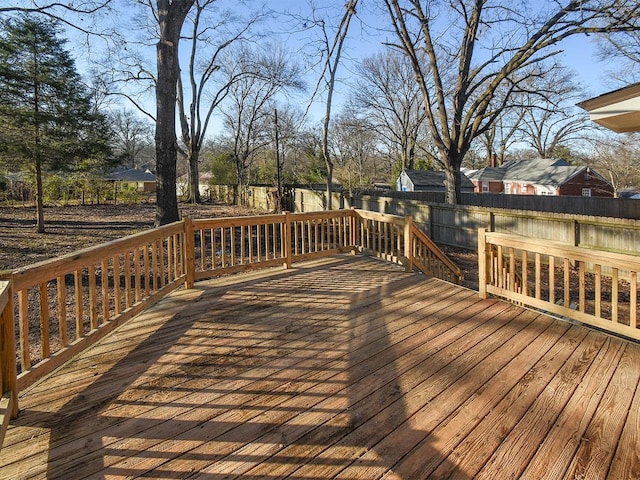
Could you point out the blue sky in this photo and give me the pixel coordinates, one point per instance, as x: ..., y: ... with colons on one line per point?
x: 366, y: 38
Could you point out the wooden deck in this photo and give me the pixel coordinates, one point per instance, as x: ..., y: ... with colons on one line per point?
x: 342, y: 368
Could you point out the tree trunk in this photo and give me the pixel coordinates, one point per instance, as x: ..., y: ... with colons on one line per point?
x: 329, y: 186
x: 171, y: 15
x: 453, y: 184
x: 194, y: 177
x: 39, y: 198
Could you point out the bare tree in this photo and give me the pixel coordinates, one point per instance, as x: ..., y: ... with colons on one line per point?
x: 206, y: 87
x: 622, y: 53
x: 483, y: 45
x: 388, y: 95
x: 618, y: 158
x: 549, y: 116
x: 354, y: 145
x: 170, y: 15
x: 79, y: 15
x: 332, y: 53
x: 260, y: 75
x: 132, y: 135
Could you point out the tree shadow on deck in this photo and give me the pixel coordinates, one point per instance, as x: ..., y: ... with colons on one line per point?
x: 295, y: 374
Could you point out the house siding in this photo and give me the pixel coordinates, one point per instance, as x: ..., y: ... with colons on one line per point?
x: 599, y: 188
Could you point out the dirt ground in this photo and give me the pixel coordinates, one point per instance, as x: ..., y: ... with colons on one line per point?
x: 71, y: 228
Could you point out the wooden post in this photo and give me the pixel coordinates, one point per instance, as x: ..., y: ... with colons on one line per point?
x: 354, y: 231
x: 482, y: 263
x: 8, y: 367
x: 287, y: 240
x: 190, y: 253
x: 408, y: 243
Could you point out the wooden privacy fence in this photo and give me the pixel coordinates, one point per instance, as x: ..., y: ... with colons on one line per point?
x: 591, y: 286
x: 59, y: 307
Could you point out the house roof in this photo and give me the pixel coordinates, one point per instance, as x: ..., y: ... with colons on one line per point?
x: 618, y: 110
x: 131, y: 175
x: 542, y: 171
x: 433, y: 178
x: 487, y: 174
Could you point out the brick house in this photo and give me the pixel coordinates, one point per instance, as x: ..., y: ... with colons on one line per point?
x: 541, y: 177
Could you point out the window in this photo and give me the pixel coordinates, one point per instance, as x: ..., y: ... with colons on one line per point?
x: 485, y: 187
x: 586, y: 192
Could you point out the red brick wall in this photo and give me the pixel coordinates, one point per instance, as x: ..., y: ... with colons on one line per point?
x: 599, y: 188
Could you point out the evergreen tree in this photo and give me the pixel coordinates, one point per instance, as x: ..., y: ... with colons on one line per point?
x: 46, y: 111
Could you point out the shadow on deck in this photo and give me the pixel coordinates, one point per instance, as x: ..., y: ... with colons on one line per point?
x: 342, y: 368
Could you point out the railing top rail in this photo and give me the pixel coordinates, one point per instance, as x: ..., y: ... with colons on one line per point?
x: 266, y: 219
x: 558, y: 249
x: 327, y: 213
x: 237, y: 221
x: 384, y: 217
x: 437, y: 251
x: 30, y: 275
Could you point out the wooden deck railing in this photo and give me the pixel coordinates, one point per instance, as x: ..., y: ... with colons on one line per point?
x: 8, y: 378
x: 593, y: 287
x: 65, y: 304
x: 61, y: 306
x: 428, y: 257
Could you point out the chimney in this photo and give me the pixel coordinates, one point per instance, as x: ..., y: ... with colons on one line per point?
x: 494, y: 160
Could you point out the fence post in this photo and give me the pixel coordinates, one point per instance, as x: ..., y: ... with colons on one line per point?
x: 287, y: 240
x: 408, y: 243
x: 482, y: 263
x: 190, y: 253
x: 8, y: 367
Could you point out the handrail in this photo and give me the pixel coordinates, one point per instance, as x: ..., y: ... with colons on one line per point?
x: 229, y: 245
x: 64, y: 305
x: 590, y: 286
x: 399, y: 239
x: 105, y: 285
x: 431, y: 260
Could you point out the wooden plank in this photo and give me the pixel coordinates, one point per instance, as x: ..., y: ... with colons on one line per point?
x: 370, y: 417
x: 7, y: 407
x: 31, y: 275
x: 137, y: 270
x: 633, y: 300
x: 104, y: 284
x: 614, y: 296
x: 197, y: 401
x: 598, y: 290
x: 93, y: 298
x: 597, y: 446
x: 404, y: 423
x: 254, y: 424
x: 558, y: 448
x: 470, y: 434
x: 523, y: 439
x: 626, y: 462
x: 280, y: 373
x: 367, y: 394
x: 552, y: 279
x: 23, y: 322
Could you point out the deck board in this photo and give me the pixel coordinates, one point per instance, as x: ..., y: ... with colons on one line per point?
x: 341, y: 368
